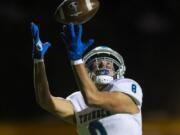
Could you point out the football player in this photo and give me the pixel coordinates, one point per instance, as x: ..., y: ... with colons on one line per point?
x: 106, y: 103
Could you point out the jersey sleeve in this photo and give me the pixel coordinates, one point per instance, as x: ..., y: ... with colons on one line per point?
x: 129, y: 87
x: 77, y: 100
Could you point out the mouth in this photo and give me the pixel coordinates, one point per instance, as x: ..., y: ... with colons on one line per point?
x: 102, y: 72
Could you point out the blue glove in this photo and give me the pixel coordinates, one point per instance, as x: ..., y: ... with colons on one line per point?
x: 39, y: 48
x: 72, y: 38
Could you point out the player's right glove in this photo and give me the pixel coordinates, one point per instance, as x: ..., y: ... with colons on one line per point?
x: 39, y: 48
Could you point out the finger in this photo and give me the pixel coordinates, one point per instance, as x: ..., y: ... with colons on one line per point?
x: 64, y: 38
x: 35, y: 32
x: 79, y: 30
x: 45, y: 47
x: 64, y: 28
x: 89, y: 43
x: 64, y: 34
x: 72, y: 31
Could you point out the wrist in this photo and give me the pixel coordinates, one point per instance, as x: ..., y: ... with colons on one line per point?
x: 37, y: 55
x: 77, y: 62
x: 38, y: 60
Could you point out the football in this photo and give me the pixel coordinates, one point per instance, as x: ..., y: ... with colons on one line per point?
x: 76, y: 11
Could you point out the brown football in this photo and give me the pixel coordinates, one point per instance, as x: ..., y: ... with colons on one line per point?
x: 76, y: 11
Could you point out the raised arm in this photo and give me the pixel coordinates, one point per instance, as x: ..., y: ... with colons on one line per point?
x: 113, y: 101
x: 116, y: 102
x: 58, y: 106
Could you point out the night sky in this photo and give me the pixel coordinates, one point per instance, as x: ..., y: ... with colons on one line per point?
x: 143, y: 32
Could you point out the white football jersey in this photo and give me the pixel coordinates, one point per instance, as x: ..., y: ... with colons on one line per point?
x: 96, y: 121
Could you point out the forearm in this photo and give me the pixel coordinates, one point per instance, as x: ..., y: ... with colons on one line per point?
x: 58, y: 106
x: 43, y: 95
x: 86, y: 85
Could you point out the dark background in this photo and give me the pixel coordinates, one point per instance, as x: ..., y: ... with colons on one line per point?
x: 144, y: 32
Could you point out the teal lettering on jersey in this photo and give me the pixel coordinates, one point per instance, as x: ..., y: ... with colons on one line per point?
x: 97, y: 114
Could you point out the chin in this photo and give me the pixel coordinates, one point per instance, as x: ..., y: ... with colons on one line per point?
x: 101, y: 86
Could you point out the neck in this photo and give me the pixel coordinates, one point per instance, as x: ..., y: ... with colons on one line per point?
x: 101, y: 86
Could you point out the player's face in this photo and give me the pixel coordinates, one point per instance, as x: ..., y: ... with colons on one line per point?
x: 101, y: 64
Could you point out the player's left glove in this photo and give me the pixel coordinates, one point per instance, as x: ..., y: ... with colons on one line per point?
x: 72, y: 38
x: 39, y: 48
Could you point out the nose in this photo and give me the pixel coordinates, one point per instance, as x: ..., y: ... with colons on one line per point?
x: 102, y: 64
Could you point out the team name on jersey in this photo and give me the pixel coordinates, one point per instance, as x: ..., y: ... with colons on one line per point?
x: 93, y: 115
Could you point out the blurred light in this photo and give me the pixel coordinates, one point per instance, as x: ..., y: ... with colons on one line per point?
x: 11, y: 12
x: 152, y: 22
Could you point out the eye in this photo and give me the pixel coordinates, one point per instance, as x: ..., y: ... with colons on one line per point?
x: 109, y: 65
